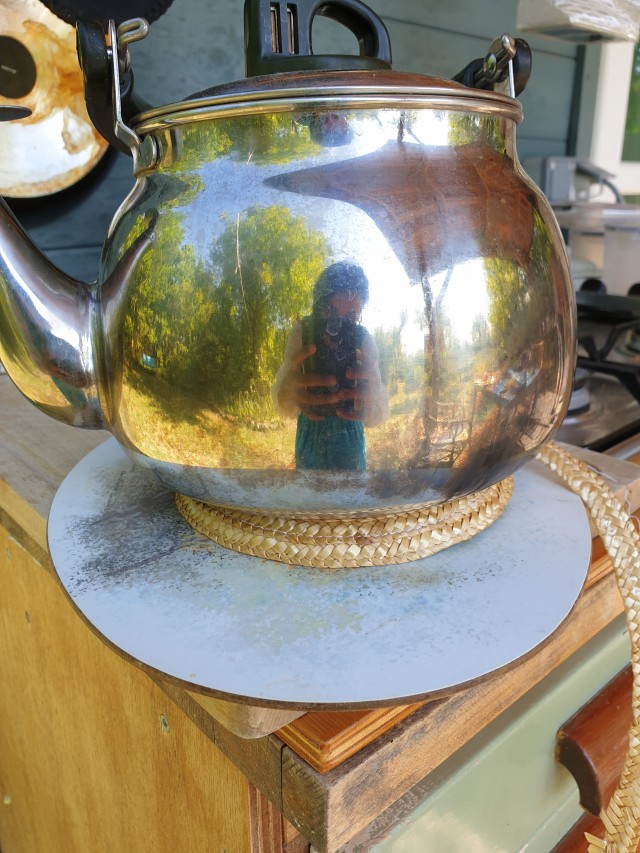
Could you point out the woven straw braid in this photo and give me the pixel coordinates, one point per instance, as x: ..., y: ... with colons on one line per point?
x: 621, y: 818
x: 322, y: 541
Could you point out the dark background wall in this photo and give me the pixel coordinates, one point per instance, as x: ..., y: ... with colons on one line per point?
x: 199, y: 43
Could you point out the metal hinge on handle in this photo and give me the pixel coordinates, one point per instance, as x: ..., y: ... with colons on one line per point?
x: 144, y: 150
x: 499, y: 60
x: 506, y: 68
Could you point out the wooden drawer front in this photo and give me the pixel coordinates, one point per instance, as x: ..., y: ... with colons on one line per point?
x: 574, y: 841
x: 592, y: 744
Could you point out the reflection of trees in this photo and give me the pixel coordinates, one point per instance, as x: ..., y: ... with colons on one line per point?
x: 464, y: 129
x: 170, y: 305
x: 217, y: 329
x: 468, y: 128
x: 434, y: 347
x: 265, y: 264
x: 502, y: 383
x: 517, y: 298
x: 391, y: 355
x: 261, y: 139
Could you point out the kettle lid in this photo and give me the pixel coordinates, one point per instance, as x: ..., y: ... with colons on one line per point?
x: 280, y: 63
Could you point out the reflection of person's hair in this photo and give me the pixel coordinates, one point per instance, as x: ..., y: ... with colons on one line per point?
x: 330, y: 435
x: 340, y: 278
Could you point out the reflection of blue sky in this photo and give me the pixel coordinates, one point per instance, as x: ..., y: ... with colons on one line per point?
x: 232, y: 187
x: 466, y: 299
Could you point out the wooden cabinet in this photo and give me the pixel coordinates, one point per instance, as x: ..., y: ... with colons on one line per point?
x: 96, y: 755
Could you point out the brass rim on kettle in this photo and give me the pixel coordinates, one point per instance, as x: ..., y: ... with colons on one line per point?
x: 343, y: 97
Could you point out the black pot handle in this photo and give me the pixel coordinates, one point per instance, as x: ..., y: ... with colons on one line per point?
x: 278, y: 36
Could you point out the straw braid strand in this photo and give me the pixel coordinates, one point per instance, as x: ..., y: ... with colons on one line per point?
x: 366, y: 539
x: 621, y: 818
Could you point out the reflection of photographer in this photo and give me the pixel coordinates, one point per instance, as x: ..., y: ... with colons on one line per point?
x: 330, y: 378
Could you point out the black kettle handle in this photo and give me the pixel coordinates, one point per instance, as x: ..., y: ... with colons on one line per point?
x: 278, y: 36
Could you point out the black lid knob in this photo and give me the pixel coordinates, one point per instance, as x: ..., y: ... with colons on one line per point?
x: 278, y: 36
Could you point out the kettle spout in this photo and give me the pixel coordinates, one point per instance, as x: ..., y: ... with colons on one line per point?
x: 46, y: 324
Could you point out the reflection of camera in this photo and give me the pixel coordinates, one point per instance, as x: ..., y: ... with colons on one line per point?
x: 336, y: 341
x: 330, y: 130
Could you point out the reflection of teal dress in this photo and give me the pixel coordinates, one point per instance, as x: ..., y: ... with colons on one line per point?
x: 333, y: 442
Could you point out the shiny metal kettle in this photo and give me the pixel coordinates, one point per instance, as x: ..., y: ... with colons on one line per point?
x: 332, y: 286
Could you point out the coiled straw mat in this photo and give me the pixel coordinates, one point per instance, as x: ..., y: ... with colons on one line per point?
x: 314, y: 539
x: 355, y: 539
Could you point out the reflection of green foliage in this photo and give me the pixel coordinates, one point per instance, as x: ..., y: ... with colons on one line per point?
x: 509, y: 291
x: 170, y: 191
x: 170, y: 304
x: 163, y: 194
x: 275, y: 138
x: 218, y: 329
x: 391, y: 355
x: 631, y: 148
x: 266, y: 263
x: 514, y: 299
x: 467, y: 128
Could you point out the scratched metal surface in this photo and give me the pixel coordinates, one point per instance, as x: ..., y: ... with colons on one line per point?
x: 254, y: 630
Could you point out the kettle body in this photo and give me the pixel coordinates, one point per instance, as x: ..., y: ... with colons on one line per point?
x: 464, y: 344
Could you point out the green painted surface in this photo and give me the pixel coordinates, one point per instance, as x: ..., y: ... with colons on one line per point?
x: 504, y: 793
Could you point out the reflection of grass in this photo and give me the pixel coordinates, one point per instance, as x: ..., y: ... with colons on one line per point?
x: 394, y: 442
x: 178, y: 428
x: 256, y: 408
x: 402, y: 403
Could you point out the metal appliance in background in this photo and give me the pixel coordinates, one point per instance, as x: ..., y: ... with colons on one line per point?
x: 569, y: 180
x: 603, y: 236
x: 604, y: 253
x: 604, y: 410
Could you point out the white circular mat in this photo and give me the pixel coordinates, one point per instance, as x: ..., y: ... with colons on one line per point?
x: 256, y: 631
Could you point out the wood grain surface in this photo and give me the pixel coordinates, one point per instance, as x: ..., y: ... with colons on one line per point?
x: 574, y: 840
x: 327, y: 738
x: 93, y: 756
x: 37, y: 454
x: 245, y: 721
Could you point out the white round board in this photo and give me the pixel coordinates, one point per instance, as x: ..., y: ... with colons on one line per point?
x: 262, y: 632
